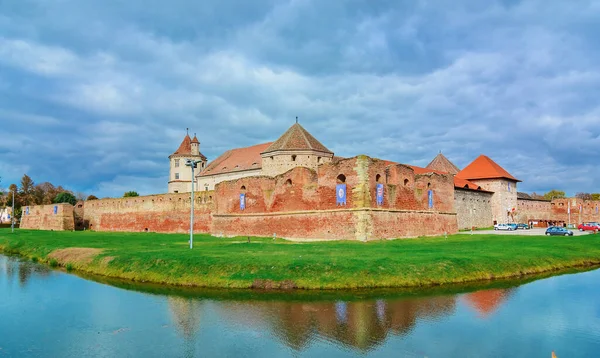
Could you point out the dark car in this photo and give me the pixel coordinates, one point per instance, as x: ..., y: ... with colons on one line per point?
x: 523, y: 226
x: 558, y: 231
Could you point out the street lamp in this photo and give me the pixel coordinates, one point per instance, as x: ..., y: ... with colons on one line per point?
x: 12, y: 213
x: 192, y: 164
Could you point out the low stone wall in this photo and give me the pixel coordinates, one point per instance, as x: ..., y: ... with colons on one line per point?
x: 48, y: 217
x: 390, y: 224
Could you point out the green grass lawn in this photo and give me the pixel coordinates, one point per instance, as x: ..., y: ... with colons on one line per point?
x: 233, y: 262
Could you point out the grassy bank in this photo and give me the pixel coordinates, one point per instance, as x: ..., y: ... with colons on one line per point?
x: 233, y: 262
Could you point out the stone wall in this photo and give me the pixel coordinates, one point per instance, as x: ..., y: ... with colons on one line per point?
x: 209, y: 181
x: 473, y: 208
x: 581, y: 210
x: 57, y: 217
x: 537, y: 212
x: 279, y: 162
x: 154, y: 213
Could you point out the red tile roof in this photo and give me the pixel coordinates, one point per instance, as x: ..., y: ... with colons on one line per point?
x: 235, y: 160
x: 484, y: 168
x: 297, y: 138
x: 185, y: 148
x: 441, y: 163
x: 195, y: 140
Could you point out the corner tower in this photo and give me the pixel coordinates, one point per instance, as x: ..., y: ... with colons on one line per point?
x: 295, y: 148
x: 491, y: 177
x: 180, y: 176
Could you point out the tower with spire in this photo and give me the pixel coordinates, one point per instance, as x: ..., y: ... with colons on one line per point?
x: 180, y: 176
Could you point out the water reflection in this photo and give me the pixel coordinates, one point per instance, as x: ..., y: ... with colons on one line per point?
x: 249, y: 323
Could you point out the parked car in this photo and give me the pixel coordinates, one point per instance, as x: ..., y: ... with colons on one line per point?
x: 523, y: 226
x: 590, y: 226
x: 509, y: 227
x: 558, y: 231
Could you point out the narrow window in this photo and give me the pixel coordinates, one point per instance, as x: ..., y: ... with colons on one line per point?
x: 176, y: 163
x: 243, y: 188
x: 293, y: 158
x: 377, y: 178
x: 318, y: 159
x: 288, y: 182
x: 176, y: 176
x: 405, y: 182
x: 341, y: 179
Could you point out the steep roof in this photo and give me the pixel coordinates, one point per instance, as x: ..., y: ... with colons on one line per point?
x: 185, y: 147
x: 297, y: 138
x: 195, y: 140
x: 235, y: 160
x: 441, y: 163
x: 484, y: 168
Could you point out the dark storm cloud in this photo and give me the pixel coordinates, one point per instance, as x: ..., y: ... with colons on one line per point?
x: 95, y: 95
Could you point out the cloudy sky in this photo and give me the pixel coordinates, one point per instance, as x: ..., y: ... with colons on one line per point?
x: 95, y: 95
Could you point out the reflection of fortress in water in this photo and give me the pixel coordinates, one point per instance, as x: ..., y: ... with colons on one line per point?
x: 361, y: 325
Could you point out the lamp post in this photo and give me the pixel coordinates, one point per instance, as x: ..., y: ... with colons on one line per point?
x: 192, y: 164
x: 12, y: 214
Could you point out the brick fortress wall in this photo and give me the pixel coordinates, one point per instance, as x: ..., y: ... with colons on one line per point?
x: 301, y: 203
x: 48, y: 217
x: 158, y: 213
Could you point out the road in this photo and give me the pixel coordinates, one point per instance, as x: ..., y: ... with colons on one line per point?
x: 532, y: 232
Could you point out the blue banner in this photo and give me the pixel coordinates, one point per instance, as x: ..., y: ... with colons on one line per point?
x: 379, y: 192
x: 55, y: 209
x: 27, y: 210
x: 430, y: 198
x: 242, y: 201
x: 340, y: 194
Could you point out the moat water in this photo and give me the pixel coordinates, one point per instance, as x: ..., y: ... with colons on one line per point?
x: 49, y: 313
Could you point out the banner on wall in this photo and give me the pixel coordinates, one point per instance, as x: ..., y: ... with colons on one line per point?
x: 430, y: 198
x: 242, y: 201
x: 27, y: 210
x: 596, y: 209
x: 569, y: 208
x: 55, y: 209
x: 340, y: 194
x: 379, y: 191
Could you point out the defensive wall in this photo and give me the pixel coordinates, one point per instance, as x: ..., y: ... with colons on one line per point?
x: 56, y: 217
x: 300, y: 203
x: 473, y: 208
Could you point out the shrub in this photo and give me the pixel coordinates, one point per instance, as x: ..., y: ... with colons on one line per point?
x: 130, y: 194
x: 53, y: 263
x: 69, y: 267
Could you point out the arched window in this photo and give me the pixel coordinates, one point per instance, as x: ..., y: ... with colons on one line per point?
x: 429, y: 185
x: 405, y: 182
x: 288, y: 182
x: 377, y: 178
x: 243, y: 188
x: 341, y: 179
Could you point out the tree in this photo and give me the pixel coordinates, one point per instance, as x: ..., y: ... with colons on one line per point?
x: 584, y: 196
x: 554, y: 194
x: 91, y: 197
x: 596, y: 196
x: 130, y: 194
x: 65, y: 197
x: 27, y: 190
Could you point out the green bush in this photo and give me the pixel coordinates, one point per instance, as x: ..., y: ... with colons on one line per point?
x: 69, y: 267
x: 65, y: 197
x: 53, y: 263
x: 130, y: 194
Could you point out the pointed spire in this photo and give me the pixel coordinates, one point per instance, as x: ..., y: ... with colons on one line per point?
x: 195, y: 139
x: 296, y: 119
x: 187, y: 131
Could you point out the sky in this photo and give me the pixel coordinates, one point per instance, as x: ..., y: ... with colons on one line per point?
x: 95, y: 95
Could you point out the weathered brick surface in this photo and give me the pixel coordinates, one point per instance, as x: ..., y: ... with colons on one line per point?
x: 42, y: 217
x: 395, y: 224
x: 158, y: 213
x: 473, y: 208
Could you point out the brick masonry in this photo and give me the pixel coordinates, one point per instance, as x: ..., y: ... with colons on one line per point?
x: 58, y: 217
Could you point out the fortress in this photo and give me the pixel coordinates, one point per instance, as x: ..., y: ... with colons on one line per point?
x: 296, y: 188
